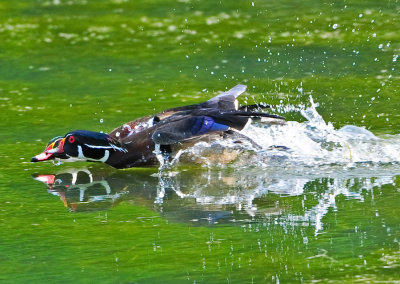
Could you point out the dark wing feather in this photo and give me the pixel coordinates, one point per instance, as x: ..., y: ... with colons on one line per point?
x: 185, y: 128
x: 234, y: 118
x: 182, y: 123
x: 224, y: 101
x: 191, y: 124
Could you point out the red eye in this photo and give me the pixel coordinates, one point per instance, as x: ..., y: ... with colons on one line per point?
x: 71, y: 139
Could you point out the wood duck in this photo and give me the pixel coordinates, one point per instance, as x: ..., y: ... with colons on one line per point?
x: 140, y: 142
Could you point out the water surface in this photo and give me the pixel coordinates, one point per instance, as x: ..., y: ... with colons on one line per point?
x: 322, y: 208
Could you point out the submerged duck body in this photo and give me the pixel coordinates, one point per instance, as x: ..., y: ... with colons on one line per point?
x: 141, y: 142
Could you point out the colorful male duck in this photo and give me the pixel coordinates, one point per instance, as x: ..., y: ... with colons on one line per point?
x: 141, y: 142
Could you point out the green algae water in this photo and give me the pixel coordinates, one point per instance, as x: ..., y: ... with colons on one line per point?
x: 326, y: 210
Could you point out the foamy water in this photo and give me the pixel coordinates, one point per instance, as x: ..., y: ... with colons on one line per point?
x: 312, y: 143
x: 315, y: 142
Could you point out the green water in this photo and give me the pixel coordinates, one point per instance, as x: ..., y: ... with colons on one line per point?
x: 77, y: 64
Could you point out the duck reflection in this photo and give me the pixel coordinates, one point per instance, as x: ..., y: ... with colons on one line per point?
x: 211, y: 196
x: 199, y: 197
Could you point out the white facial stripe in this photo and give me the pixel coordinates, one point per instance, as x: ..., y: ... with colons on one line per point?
x: 81, y: 157
x: 80, y: 153
x: 106, y: 155
x: 111, y: 146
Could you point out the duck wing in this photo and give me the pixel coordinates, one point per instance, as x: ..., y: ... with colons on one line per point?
x: 185, y: 126
x: 224, y: 101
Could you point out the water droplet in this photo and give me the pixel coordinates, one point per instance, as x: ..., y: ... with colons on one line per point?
x: 335, y: 26
x: 101, y: 120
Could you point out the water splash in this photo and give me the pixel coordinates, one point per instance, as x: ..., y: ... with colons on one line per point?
x: 312, y: 143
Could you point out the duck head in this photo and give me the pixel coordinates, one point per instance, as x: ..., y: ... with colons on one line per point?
x: 80, y: 145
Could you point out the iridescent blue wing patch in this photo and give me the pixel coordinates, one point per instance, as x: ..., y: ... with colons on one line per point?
x: 186, y: 128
